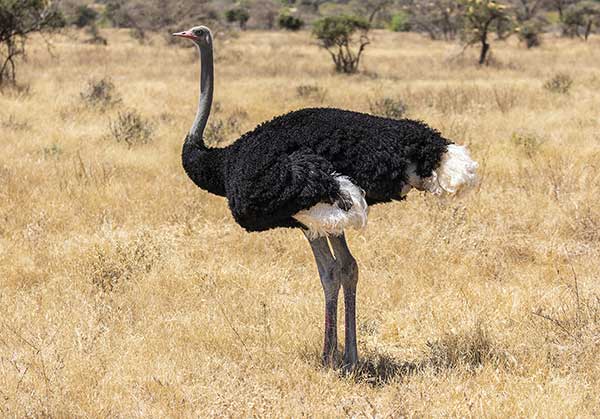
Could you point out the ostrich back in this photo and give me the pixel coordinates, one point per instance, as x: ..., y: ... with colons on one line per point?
x: 286, y: 165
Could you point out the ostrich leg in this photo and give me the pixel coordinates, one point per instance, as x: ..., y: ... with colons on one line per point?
x: 330, y: 281
x: 348, y: 272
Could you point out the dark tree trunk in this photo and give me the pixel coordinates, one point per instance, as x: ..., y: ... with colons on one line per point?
x: 485, y: 47
x: 588, y: 30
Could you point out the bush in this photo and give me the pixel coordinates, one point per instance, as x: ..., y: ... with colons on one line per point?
x: 559, y: 83
x: 117, y: 15
x: 581, y: 17
x: 131, y: 128
x: 84, y: 16
x: 100, y: 93
x: 289, y: 22
x: 388, y: 107
x: 337, y: 35
x: 218, y: 130
x: 117, y: 262
x: 400, y: 22
x: 529, y: 33
x: 239, y: 15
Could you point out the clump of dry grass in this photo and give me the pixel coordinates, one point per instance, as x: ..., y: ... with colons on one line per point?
x: 559, y: 83
x: 131, y: 128
x: 311, y: 91
x: 114, y: 263
x: 15, y: 124
x: 388, y: 107
x: 470, y: 349
x: 529, y: 143
x: 100, y: 93
x: 218, y: 130
x: 127, y: 291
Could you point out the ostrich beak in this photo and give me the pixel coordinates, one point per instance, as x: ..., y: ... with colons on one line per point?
x: 185, y: 34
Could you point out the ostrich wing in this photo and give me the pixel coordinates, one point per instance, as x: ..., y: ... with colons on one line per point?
x: 263, y: 194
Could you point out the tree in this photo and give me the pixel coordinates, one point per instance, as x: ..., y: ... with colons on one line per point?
x: 581, y: 17
x: 263, y: 13
x: 527, y: 9
x: 84, y: 16
x: 18, y: 20
x: 530, y: 22
x: 152, y: 15
x: 561, y: 6
x: 440, y: 19
x: 479, y: 16
x: 370, y: 8
x: 239, y: 15
x: 337, y: 35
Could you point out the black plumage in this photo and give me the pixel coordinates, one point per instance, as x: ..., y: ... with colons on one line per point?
x: 287, y: 164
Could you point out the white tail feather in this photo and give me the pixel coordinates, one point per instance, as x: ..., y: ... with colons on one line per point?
x: 325, y: 219
x: 457, y: 172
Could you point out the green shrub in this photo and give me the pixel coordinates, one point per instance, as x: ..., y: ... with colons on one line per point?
x: 239, y: 15
x: 289, y: 22
x: 337, y: 34
x: 400, y: 22
x: 529, y: 33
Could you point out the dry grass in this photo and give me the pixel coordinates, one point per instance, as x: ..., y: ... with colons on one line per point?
x: 126, y: 291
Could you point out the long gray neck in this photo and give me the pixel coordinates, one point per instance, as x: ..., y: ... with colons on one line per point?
x: 206, y: 96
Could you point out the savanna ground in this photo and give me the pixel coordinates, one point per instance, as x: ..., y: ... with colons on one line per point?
x: 126, y: 291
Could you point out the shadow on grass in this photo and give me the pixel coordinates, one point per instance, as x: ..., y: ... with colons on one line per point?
x: 467, y: 350
x: 381, y: 369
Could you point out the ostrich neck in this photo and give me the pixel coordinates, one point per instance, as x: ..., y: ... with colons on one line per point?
x: 206, y: 96
x: 202, y: 164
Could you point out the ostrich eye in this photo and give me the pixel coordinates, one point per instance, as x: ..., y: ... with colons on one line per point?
x: 198, y: 32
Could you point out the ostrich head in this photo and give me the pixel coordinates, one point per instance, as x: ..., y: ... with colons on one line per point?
x: 200, y: 35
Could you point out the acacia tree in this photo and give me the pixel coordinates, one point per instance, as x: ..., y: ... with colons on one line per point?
x: 530, y: 21
x: 479, y: 16
x: 580, y: 18
x: 337, y: 35
x: 18, y: 20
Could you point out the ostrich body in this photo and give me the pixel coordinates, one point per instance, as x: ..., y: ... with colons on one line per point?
x: 318, y: 169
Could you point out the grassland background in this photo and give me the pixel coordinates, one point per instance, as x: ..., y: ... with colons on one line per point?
x: 126, y: 291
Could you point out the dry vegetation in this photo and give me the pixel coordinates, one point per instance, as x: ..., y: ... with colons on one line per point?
x: 126, y: 291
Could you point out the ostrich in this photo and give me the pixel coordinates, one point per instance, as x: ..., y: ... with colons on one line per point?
x: 318, y: 169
